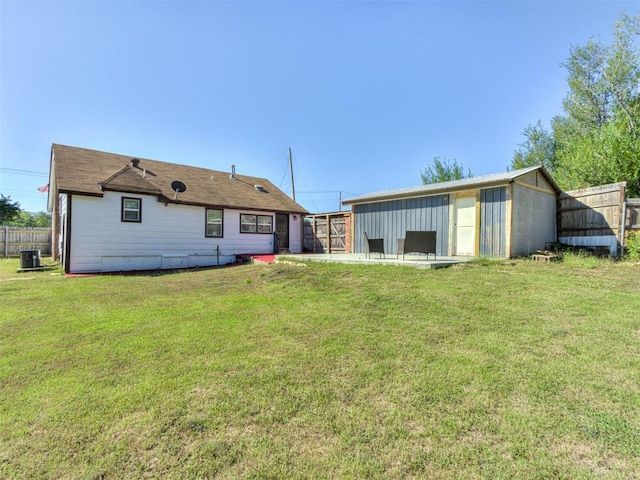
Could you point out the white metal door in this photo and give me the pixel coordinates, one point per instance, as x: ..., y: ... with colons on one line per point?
x: 465, y: 225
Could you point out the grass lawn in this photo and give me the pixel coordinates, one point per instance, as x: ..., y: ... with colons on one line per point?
x: 488, y: 370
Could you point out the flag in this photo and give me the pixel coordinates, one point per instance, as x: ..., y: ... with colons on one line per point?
x: 44, y: 188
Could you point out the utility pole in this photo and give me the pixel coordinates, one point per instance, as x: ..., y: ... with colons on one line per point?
x: 293, y: 187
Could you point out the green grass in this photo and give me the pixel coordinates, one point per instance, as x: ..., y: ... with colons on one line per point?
x: 490, y: 370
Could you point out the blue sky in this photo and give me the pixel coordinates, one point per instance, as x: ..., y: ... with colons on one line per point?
x: 366, y: 93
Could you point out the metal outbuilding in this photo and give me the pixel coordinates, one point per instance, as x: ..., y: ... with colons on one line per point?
x: 500, y: 215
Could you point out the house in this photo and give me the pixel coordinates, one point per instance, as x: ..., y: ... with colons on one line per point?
x: 117, y: 213
x: 500, y: 215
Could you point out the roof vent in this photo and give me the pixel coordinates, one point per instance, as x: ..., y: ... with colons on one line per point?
x: 135, y: 162
x: 260, y: 188
x: 233, y: 172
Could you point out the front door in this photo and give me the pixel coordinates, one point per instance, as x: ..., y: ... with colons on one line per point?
x: 282, y: 230
x: 465, y: 226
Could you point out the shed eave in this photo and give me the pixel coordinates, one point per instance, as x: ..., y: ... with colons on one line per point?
x: 472, y: 183
x: 420, y: 194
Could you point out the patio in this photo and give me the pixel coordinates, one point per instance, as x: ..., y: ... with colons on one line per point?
x: 416, y: 261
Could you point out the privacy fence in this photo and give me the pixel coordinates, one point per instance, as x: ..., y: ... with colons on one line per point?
x: 328, y: 233
x: 632, y: 215
x: 597, y: 217
x: 15, y: 239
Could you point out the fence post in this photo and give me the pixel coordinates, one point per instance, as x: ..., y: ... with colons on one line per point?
x: 6, y: 242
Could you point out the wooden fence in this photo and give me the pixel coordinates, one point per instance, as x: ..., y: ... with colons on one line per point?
x: 594, y: 217
x: 15, y: 239
x: 632, y: 215
x: 328, y: 233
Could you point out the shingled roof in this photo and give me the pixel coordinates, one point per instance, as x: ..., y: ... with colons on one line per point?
x: 90, y: 172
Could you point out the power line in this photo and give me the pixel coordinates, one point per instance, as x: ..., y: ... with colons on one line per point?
x: 24, y: 192
x: 24, y: 172
x: 304, y: 181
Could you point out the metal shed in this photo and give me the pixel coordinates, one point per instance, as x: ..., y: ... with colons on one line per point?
x: 499, y: 215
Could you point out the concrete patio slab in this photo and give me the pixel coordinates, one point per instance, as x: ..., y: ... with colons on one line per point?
x: 415, y: 261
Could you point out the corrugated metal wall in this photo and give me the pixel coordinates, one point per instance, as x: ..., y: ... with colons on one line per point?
x: 533, y: 221
x: 390, y: 220
x: 493, y: 225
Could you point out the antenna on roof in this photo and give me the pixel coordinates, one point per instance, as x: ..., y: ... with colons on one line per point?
x: 178, y: 187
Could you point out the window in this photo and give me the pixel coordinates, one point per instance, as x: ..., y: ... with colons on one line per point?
x: 214, y: 223
x: 256, y: 223
x: 131, y: 210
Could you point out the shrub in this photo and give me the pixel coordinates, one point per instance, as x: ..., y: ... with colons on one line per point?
x: 632, y: 249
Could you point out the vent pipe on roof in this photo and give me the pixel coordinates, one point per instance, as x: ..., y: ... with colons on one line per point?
x: 233, y: 172
x: 135, y: 162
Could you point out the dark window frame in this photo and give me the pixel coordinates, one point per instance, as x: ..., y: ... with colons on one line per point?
x: 123, y: 210
x: 206, y: 223
x: 256, y: 224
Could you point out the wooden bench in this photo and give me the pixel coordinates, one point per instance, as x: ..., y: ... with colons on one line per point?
x: 375, y: 245
x: 418, y: 242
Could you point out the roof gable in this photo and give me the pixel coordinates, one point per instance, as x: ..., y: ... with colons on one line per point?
x: 91, y: 172
x: 128, y: 179
x: 483, y: 181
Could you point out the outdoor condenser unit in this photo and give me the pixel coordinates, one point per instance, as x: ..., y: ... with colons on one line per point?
x: 30, y: 259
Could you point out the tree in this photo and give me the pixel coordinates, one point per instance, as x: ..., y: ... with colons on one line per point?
x: 8, y: 209
x: 597, y: 140
x: 42, y: 219
x: 28, y: 219
x: 443, y: 171
x: 539, y: 149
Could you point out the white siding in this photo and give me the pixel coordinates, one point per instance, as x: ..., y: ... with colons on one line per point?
x: 168, y: 237
x: 295, y: 233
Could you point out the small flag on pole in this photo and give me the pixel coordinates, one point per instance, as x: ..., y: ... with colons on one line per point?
x: 44, y: 188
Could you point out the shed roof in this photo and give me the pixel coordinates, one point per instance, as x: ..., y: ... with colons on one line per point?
x: 484, y: 181
x: 91, y: 172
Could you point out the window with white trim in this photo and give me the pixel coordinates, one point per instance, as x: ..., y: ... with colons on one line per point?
x: 213, y: 226
x: 131, y: 210
x: 256, y: 223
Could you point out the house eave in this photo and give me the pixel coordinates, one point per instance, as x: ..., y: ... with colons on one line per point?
x: 171, y: 201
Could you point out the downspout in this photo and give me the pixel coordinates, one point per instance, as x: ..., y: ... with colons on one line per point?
x: 623, y: 222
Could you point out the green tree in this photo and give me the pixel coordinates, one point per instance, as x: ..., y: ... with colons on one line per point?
x: 9, y: 209
x: 28, y: 219
x: 539, y: 149
x: 597, y: 140
x: 42, y: 219
x: 443, y: 171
